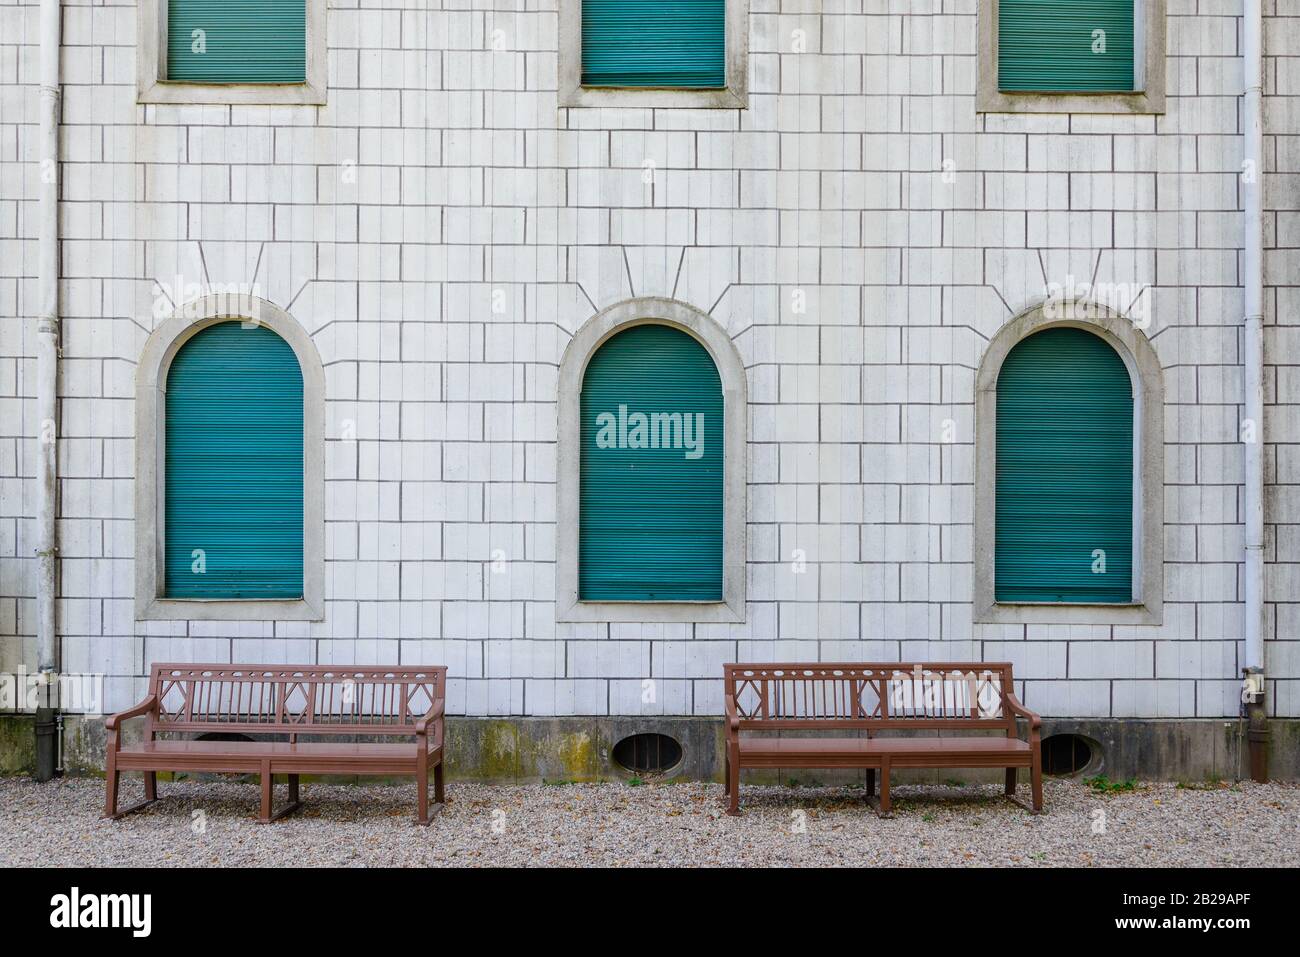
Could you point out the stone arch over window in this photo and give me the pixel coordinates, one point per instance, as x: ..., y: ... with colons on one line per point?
x: 600, y: 601
x: 1114, y: 351
x: 203, y: 335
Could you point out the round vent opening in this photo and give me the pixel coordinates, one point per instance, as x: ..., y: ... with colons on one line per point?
x: 1066, y: 753
x: 647, y: 753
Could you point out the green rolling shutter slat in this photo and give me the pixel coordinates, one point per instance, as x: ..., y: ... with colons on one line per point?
x: 656, y: 43
x: 1047, y: 46
x: 651, y: 519
x: 1064, y: 471
x: 234, y: 411
x: 248, y: 41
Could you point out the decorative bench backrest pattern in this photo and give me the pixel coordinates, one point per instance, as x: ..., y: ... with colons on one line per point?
x: 871, y: 696
x: 287, y: 699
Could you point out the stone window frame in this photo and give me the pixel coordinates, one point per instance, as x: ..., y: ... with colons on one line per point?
x: 731, y: 370
x: 1152, y: 35
x: 734, y: 96
x: 152, y: 85
x: 1147, y: 376
x: 150, y: 485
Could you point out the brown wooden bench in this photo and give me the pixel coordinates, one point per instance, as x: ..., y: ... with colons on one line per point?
x: 945, y: 701
x: 287, y: 702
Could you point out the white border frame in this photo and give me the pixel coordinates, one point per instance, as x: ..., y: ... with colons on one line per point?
x: 150, y: 484
x: 152, y: 85
x: 1147, y: 378
x: 1149, y: 43
x: 731, y: 370
x: 734, y: 96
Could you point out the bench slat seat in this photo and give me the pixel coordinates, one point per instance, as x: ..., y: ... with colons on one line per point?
x: 972, y: 705
x: 404, y: 706
x: 936, y: 748
x: 302, y: 757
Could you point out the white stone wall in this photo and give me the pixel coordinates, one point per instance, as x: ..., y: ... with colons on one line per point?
x: 441, y: 228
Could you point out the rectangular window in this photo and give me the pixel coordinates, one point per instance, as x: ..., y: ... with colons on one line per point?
x: 231, y: 51
x: 654, y: 53
x: 1066, y: 46
x: 1071, y: 56
x: 237, y: 41
x: 668, y: 44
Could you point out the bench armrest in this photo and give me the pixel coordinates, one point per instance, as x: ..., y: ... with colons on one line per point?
x: 143, y: 708
x: 1018, y: 709
x: 733, y: 719
x: 433, y: 716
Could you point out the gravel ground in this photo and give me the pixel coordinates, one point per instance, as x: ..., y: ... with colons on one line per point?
x: 202, y: 823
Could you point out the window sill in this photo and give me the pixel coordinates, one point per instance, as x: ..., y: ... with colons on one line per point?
x: 651, y: 612
x: 1051, y: 613
x: 1136, y: 104
x: 628, y: 98
x: 206, y: 609
x: 237, y: 94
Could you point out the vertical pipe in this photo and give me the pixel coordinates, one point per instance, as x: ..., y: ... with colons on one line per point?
x: 47, y: 381
x: 1253, y: 368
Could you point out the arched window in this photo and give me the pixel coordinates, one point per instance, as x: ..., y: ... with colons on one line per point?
x: 651, y: 469
x: 1065, y: 471
x: 652, y: 454
x: 230, y: 466
x: 233, y: 412
x: 1069, y: 471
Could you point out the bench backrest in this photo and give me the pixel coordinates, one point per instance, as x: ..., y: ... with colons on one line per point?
x: 293, y: 699
x: 871, y: 696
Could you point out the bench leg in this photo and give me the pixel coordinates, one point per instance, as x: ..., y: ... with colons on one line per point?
x: 112, y: 788
x: 439, y: 791
x: 885, y: 806
x: 733, y: 783
x: 871, y: 782
x: 268, y: 793
x: 112, y: 778
x: 422, y: 797
x: 1036, y: 782
x: 268, y: 786
x: 1035, y: 805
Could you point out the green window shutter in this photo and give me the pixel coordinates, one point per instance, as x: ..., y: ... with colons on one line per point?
x: 651, y: 518
x: 1048, y: 46
x: 678, y: 44
x: 1064, y: 471
x: 234, y: 412
x: 242, y: 41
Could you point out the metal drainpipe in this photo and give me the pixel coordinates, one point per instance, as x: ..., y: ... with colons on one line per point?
x: 1253, y: 684
x: 47, y: 383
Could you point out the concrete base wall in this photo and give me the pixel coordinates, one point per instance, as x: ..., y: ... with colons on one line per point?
x: 530, y: 750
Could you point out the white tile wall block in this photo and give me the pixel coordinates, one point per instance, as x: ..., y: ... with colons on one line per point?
x: 441, y: 227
